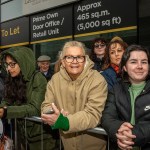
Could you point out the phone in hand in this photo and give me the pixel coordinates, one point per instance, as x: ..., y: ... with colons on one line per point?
x: 50, y: 111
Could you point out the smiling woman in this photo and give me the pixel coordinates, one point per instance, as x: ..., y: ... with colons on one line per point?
x: 81, y: 92
x: 74, y: 61
x: 127, y: 106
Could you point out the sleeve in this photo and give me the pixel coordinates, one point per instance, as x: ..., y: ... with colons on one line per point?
x: 49, y: 97
x: 142, y: 132
x: 35, y: 95
x: 108, y: 79
x: 110, y: 120
x: 90, y: 116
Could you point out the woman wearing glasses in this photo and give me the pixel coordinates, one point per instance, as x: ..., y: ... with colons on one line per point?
x: 24, y: 92
x: 113, y: 55
x: 97, y: 53
x: 81, y: 92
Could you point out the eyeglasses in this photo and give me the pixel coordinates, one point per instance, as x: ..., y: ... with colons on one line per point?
x: 70, y: 59
x: 99, y: 45
x: 11, y: 64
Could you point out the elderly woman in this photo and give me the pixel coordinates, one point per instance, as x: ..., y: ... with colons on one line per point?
x: 81, y: 92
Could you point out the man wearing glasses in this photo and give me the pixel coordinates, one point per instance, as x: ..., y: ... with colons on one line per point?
x: 76, y: 96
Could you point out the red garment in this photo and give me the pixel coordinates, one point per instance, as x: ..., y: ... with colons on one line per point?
x: 116, y: 68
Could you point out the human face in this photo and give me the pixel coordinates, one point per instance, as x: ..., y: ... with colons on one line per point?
x: 115, y: 53
x: 99, y: 49
x: 44, y: 66
x: 12, y: 67
x: 74, y: 69
x: 137, y: 67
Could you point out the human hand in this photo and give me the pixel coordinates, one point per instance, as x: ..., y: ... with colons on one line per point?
x: 125, y: 136
x: 51, y: 118
x: 126, y: 126
x: 125, y: 140
x: 65, y: 113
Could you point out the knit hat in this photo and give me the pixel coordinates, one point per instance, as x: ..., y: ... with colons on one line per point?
x: 44, y: 58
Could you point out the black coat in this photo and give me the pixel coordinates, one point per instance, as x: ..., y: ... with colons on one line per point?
x: 118, y: 111
x: 49, y: 74
x: 98, y: 63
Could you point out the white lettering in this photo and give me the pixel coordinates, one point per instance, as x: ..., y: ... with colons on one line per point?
x: 52, y: 23
x: 88, y: 7
x: 39, y: 34
x: 37, y: 27
x: 50, y: 16
x: 37, y: 19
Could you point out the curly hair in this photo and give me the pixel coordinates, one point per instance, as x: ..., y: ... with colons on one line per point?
x: 92, y: 54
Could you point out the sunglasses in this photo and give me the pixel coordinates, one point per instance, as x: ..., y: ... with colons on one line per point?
x: 99, y: 45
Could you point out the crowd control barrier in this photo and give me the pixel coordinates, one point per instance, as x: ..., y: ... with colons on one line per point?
x: 97, y: 130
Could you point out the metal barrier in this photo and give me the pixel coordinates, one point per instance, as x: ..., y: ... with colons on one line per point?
x: 97, y: 130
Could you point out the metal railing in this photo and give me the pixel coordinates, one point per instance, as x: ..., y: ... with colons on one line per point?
x: 97, y: 130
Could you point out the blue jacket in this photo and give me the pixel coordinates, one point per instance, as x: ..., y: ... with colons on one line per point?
x: 110, y: 76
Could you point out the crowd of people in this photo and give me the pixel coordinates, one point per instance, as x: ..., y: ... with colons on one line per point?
x: 108, y: 88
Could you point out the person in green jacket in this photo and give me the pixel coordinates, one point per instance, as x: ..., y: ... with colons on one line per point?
x: 24, y: 92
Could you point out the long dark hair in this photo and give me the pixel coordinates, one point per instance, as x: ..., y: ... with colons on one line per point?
x: 126, y: 57
x: 15, y: 89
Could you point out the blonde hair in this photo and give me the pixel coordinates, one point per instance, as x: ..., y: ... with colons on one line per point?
x: 58, y: 62
x: 72, y: 44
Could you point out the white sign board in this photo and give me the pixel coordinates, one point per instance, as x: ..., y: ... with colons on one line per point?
x: 31, y: 6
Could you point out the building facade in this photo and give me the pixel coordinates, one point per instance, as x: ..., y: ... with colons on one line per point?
x: 45, y: 25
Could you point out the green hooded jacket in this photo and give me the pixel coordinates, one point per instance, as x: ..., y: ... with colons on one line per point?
x: 36, y: 87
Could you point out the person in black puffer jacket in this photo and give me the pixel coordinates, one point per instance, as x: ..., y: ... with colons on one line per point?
x: 126, y: 117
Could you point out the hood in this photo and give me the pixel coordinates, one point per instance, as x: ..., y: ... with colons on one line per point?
x: 25, y: 59
x: 87, y: 69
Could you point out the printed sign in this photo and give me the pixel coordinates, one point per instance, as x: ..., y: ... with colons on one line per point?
x: 99, y: 15
x: 30, y: 6
x: 51, y: 24
x: 15, y: 32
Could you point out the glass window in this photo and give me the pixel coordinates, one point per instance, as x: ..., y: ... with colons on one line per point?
x: 49, y: 48
x: 129, y: 36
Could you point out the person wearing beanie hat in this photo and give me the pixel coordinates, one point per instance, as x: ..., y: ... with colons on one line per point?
x: 44, y: 66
